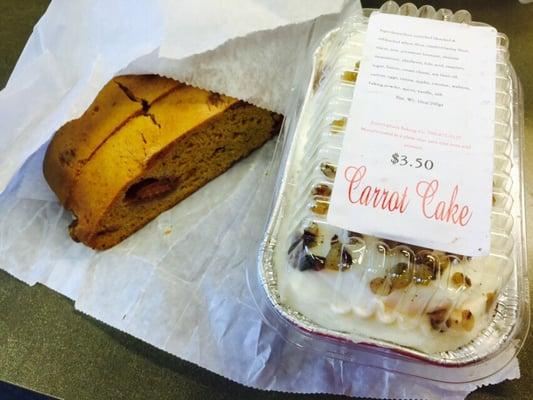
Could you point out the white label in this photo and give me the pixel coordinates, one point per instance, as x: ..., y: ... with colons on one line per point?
x: 416, y: 160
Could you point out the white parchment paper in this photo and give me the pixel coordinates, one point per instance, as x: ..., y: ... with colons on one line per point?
x: 179, y: 284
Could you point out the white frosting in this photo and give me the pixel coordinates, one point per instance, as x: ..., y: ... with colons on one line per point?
x: 343, y: 301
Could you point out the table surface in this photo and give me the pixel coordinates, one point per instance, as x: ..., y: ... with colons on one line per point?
x: 47, y: 346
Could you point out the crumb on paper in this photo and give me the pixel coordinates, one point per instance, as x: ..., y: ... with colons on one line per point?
x: 167, y: 231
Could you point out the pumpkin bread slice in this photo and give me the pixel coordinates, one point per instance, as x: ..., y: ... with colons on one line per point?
x: 156, y: 157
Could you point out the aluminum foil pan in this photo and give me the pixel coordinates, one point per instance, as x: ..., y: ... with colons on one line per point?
x: 334, y: 71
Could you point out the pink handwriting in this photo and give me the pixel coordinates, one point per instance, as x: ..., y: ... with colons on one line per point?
x: 447, y: 212
x: 373, y: 196
x: 397, y: 201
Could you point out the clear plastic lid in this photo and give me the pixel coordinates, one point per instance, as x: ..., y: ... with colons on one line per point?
x: 330, y: 290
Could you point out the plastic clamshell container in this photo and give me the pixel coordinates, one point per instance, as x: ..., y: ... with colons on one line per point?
x: 306, y: 267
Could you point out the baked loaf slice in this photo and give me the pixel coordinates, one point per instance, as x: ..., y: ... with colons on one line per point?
x: 144, y: 144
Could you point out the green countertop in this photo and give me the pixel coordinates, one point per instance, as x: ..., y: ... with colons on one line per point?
x: 47, y: 346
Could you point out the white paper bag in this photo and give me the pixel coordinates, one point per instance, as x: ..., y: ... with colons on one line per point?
x: 179, y: 283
